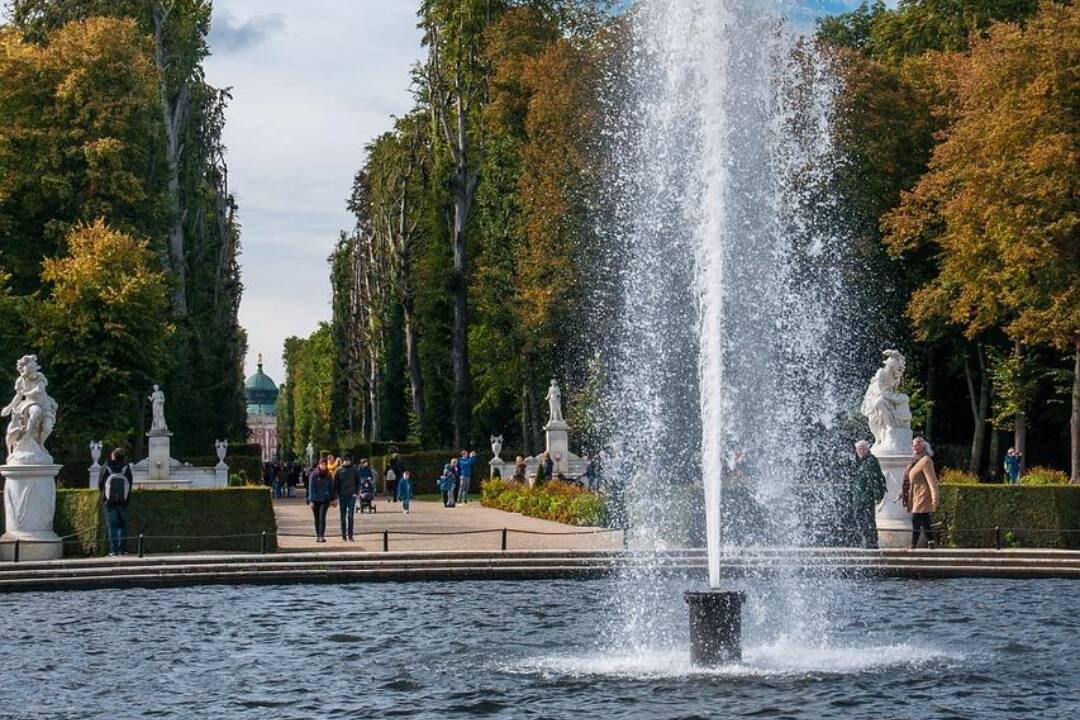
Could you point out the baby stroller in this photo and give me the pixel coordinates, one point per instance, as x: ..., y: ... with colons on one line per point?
x: 367, y: 495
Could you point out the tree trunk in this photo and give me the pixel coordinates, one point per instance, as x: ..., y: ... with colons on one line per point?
x: 929, y: 429
x: 139, y: 449
x: 1075, y: 421
x: 1020, y: 421
x: 526, y: 436
x: 462, y: 408
x: 412, y: 359
x: 995, y: 467
x: 980, y: 407
x: 174, y: 114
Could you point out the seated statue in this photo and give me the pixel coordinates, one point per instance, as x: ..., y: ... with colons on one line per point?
x: 885, y: 409
x: 33, y: 415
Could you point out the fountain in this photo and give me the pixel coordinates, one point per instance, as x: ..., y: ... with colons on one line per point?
x: 735, y: 356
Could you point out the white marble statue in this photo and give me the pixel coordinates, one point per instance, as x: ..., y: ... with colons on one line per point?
x: 33, y: 416
x: 222, y: 447
x: 886, y: 409
x: 95, y: 451
x: 554, y: 398
x: 157, y: 402
x: 496, y: 445
x: 309, y: 454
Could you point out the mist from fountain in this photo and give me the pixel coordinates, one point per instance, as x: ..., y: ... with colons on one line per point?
x: 735, y: 355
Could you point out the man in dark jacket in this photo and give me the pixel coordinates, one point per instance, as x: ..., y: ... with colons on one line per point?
x: 115, y: 484
x: 320, y: 494
x: 867, y: 489
x: 347, y: 485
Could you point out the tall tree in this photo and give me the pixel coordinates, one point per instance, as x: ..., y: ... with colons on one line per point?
x: 999, y: 202
x: 453, y: 83
x: 103, y: 331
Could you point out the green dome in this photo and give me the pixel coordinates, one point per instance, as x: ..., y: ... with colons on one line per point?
x: 261, y: 392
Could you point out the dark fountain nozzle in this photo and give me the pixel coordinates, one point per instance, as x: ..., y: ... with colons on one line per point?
x: 715, y: 626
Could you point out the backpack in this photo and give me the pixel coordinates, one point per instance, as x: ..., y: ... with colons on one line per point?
x: 116, y: 486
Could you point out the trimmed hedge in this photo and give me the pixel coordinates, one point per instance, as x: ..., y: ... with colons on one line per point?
x: 427, y: 466
x: 558, y: 501
x: 182, y: 515
x: 1029, y: 516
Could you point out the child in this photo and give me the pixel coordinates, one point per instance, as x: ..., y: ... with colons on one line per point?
x: 404, y: 490
x: 446, y: 486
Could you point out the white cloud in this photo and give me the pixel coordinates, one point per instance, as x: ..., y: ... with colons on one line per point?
x: 227, y: 35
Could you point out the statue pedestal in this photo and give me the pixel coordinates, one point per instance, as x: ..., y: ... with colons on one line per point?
x: 29, y: 506
x: 893, y: 519
x: 558, y: 444
x: 159, y: 459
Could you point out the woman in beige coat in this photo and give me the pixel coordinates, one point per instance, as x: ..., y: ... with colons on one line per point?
x: 920, y: 490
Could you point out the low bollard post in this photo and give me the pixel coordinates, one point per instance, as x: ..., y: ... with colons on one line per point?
x: 15, y: 557
x: 142, y: 544
x: 262, y: 543
x: 997, y: 537
x: 504, y: 539
x: 386, y: 541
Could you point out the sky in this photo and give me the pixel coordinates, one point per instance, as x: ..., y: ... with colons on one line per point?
x: 312, y: 83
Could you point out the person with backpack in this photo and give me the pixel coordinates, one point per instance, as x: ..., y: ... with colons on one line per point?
x: 320, y: 495
x: 347, y: 486
x: 404, y: 490
x: 115, y: 484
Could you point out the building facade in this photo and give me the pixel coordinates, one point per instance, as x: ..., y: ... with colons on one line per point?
x: 262, y: 394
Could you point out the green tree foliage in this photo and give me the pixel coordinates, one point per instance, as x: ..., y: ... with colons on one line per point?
x: 103, y: 332
x: 104, y: 112
x: 999, y: 203
x: 309, y: 385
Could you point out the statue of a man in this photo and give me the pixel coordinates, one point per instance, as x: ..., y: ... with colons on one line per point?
x: 309, y: 454
x: 883, y: 406
x: 157, y: 402
x: 554, y: 398
x: 33, y: 416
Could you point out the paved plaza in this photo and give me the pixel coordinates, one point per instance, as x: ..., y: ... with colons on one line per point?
x: 296, y: 530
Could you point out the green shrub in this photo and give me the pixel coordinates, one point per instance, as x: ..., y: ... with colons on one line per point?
x: 1044, y: 476
x: 1032, y: 516
x: 558, y: 501
x: 952, y: 476
x: 181, y: 515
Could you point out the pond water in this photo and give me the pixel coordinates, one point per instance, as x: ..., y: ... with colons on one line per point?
x: 903, y: 649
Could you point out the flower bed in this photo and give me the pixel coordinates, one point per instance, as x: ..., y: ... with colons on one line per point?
x: 558, y: 501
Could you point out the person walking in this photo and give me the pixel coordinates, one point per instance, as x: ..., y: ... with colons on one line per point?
x: 520, y: 470
x: 332, y: 464
x: 115, y: 483
x: 465, y: 465
x: 1012, y: 466
x: 394, y: 472
x: 346, y: 489
x: 446, y: 486
x: 919, y: 492
x: 320, y: 495
x: 865, y: 490
x: 455, y: 471
x: 404, y: 490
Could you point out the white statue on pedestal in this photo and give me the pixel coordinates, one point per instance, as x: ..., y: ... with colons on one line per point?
x: 554, y: 398
x: 222, y: 448
x: 95, y: 452
x: 157, y: 401
x: 885, y: 409
x: 496, y: 445
x: 309, y: 454
x: 33, y: 416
